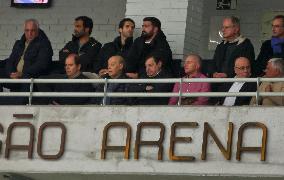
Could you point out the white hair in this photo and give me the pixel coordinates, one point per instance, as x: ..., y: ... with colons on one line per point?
x: 34, y: 21
x: 277, y: 63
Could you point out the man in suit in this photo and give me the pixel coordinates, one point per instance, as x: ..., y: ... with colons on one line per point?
x: 242, y: 69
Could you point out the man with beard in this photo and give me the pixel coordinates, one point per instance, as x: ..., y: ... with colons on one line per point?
x: 273, y: 48
x: 152, y: 41
x: 120, y: 45
x: 82, y: 44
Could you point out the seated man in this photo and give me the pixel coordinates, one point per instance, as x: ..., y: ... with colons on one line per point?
x: 120, y: 45
x: 82, y: 44
x: 115, y: 71
x: 72, y: 69
x: 274, y: 69
x: 242, y: 70
x: 31, y: 57
x: 154, y: 70
x: 192, y: 67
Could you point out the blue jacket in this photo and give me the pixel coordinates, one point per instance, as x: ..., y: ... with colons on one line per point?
x: 37, y: 58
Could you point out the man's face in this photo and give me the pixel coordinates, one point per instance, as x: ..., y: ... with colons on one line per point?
x: 114, y: 67
x: 127, y: 30
x: 71, y: 68
x: 242, y: 68
x: 79, y: 29
x: 229, y: 30
x: 148, y: 30
x: 270, y: 71
x: 278, y: 28
x: 191, y: 65
x: 31, y: 31
x: 152, y: 68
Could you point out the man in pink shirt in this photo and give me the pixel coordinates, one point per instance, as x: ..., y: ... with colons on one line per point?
x: 192, y: 67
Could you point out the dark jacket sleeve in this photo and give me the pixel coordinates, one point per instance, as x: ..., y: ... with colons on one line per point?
x: 132, y: 60
x: 264, y: 55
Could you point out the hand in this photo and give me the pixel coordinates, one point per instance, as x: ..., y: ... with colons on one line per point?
x: 16, y: 75
x: 103, y: 72
x: 268, y: 88
x: 219, y: 75
x: 54, y: 103
x: 132, y: 75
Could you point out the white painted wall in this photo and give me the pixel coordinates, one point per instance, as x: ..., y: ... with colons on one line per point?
x: 84, y: 137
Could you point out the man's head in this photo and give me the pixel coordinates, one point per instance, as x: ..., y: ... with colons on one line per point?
x: 126, y: 27
x: 31, y: 29
x: 278, y: 26
x: 192, y: 64
x: 153, y: 65
x: 72, y: 65
x: 83, y: 26
x: 151, y: 26
x: 275, y: 68
x: 115, y: 66
x: 231, y: 28
x: 242, y: 67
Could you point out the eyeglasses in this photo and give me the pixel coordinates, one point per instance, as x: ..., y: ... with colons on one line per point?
x: 242, y: 68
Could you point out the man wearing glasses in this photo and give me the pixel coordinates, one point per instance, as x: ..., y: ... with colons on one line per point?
x: 234, y: 45
x: 273, y: 48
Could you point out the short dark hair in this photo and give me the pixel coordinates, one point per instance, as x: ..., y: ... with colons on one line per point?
x: 156, y: 58
x: 155, y: 21
x: 75, y: 57
x: 122, y: 22
x: 279, y: 17
x: 87, y: 22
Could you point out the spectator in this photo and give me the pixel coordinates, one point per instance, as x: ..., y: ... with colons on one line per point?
x: 72, y: 71
x: 120, y: 45
x: 152, y: 41
x: 192, y: 67
x: 274, y: 69
x: 233, y: 46
x: 273, y: 47
x: 82, y: 44
x: 31, y: 57
x: 115, y: 71
x: 242, y: 70
x: 154, y: 70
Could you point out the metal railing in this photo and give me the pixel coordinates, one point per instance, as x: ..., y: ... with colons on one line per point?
x: 105, y: 94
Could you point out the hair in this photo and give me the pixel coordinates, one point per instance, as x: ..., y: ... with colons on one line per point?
x: 155, y: 21
x: 87, y: 22
x: 198, y: 58
x: 120, y: 59
x: 279, y: 17
x: 34, y: 21
x: 277, y: 63
x: 156, y: 58
x: 124, y: 20
x: 242, y: 57
x: 75, y: 57
x: 235, y: 20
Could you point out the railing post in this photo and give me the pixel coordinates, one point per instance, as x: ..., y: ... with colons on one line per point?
x: 257, y: 91
x: 31, y: 91
x: 180, y: 92
x: 105, y: 92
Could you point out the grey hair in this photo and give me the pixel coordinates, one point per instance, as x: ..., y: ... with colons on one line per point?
x: 235, y: 20
x: 34, y: 21
x: 277, y: 63
x: 198, y: 58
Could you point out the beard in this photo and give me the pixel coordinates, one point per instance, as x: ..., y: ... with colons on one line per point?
x: 146, y: 35
x: 78, y: 34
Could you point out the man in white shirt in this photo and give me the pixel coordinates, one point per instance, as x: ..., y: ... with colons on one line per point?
x: 242, y: 69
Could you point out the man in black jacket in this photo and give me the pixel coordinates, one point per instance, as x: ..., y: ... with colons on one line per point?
x: 273, y: 48
x: 31, y: 57
x: 233, y: 46
x: 120, y: 45
x: 152, y: 41
x: 154, y: 70
x: 82, y: 44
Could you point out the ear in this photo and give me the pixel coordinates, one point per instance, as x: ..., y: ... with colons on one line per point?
x: 156, y: 29
x: 79, y: 66
x: 87, y: 30
x: 120, y: 30
x: 160, y: 64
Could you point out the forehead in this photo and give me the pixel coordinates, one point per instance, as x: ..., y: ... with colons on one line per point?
x: 70, y: 60
x: 191, y: 59
x: 30, y: 25
x: 278, y: 21
x: 78, y: 22
x: 128, y: 23
x: 147, y: 23
x: 150, y: 61
x: 227, y: 21
x: 113, y: 60
x: 242, y: 62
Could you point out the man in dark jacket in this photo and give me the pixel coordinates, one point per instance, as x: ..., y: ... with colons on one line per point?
x: 31, y: 57
x: 120, y: 45
x: 72, y: 71
x: 233, y: 46
x: 82, y: 44
x: 154, y: 70
x: 152, y: 41
x: 273, y: 48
